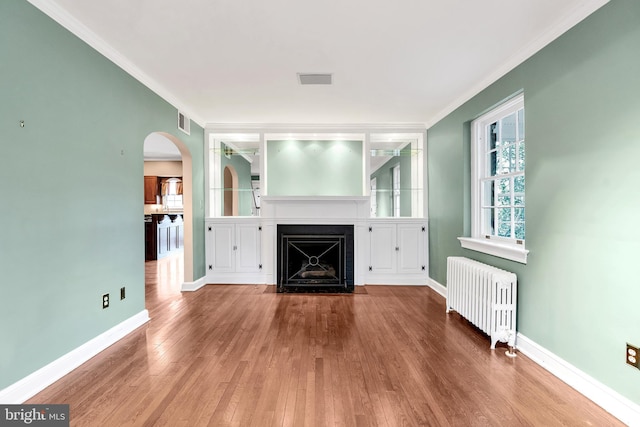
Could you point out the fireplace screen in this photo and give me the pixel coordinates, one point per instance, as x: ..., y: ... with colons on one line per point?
x: 315, y: 260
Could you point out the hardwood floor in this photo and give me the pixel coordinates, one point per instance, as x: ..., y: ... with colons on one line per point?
x: 245, y: 355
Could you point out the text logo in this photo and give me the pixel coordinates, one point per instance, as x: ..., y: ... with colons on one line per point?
x: 34, y: 415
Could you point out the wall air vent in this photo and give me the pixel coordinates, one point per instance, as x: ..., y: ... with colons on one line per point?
x: 184, y: 123
x: 315, y: 78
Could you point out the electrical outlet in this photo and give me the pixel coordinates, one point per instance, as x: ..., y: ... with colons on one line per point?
x: 633, y: 356
x: 105, y: 300
x: 122, y: 294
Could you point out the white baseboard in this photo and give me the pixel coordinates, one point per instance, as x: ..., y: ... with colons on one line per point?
x: 378, y: 282
x: 395, y: 279
x: 34, y: 383
x: 436, y: 286
x: 237, y: 279
x: 193, y: 286
x: 610, y: 400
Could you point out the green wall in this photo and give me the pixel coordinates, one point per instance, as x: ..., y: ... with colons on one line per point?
x: 384, y: 192
x: 243, y: 168
x: 314, y: 168
x: 72, y: 202
x: 578, y: 294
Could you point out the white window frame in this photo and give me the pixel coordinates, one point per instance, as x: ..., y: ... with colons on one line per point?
x: 507, y: 248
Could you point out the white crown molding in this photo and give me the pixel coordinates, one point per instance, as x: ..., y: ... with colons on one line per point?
x: 64, y: 18
x: 34, y: 383
x: 610, y: 400
x: 581, y: 12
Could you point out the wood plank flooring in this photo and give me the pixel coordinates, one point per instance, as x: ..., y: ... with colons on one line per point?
x: 247, y: 356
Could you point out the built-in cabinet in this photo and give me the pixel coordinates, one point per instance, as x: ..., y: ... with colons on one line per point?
x: 389, y: 251
x: 397, y: 252
x: 365, y: 177
x: 233, y: 250
x: 151, y: 193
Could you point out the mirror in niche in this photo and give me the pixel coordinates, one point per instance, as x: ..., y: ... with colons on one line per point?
x: 394, y: 178
x: 322, y: 166
x: 237, y: 183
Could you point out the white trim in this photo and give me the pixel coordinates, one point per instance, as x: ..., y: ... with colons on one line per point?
x: 237, y: 278
x: 438, y: 287
x: 395, y: 280
x: 501, y: 250
x: 193, y: 286
x: 305, y: 199
x: 34, y: 383
x: 610, y: 400
x: 65, y: 19
x: 68, y: 21
x: 585, y: 9
x: 479, y: 160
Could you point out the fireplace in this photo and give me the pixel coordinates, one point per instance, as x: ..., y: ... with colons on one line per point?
x: 315, y: 258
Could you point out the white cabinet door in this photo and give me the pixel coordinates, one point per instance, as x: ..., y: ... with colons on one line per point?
x: 233, y: 247
x: 410, y: 243
x: 383, y: 248
x: 397, y: 253
x: 221, y: 243
x: 247, y: 248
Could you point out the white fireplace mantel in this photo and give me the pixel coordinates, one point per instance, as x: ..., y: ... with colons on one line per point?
x: 315, y: 209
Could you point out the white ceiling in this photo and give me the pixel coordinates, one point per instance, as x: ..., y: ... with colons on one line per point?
x: 402, y: 61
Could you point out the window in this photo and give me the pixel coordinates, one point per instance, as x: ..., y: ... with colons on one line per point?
x: 498, y: 182
x: 172, y: 194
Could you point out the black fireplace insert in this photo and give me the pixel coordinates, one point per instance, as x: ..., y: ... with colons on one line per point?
x: 315, y: 258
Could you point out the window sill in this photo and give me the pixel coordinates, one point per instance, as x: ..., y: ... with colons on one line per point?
x: 510, y: 252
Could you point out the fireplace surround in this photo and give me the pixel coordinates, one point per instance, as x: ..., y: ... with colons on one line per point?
x: 315, y: 258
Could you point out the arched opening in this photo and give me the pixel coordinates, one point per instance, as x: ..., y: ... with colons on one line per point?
x: 159, y: 144
x: 230, y: 191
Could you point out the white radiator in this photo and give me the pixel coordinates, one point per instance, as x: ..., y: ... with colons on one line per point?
x: 484, y: 295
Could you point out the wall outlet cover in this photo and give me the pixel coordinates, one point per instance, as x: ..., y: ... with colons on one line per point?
x: 633, y: 356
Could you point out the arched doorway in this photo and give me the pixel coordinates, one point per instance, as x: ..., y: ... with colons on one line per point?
x: 165, y: 142
x: 230, y: 191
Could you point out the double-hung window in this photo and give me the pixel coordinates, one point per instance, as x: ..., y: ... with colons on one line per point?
x: 498, y: 181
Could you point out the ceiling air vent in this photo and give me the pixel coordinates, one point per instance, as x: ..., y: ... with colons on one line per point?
x: 315, y: 78
x: 184, y: 123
